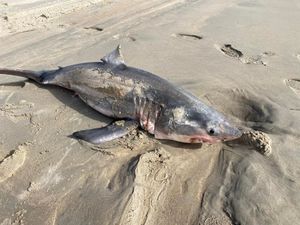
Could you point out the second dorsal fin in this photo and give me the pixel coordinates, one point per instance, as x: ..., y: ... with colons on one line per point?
x: 115, y: 57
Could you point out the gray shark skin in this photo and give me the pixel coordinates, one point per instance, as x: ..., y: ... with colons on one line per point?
x: 137, y: 97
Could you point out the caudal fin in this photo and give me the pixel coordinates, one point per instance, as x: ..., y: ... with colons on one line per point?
x: 33, y: 75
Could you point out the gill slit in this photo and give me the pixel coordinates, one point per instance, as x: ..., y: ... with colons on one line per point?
x: 147, y: 113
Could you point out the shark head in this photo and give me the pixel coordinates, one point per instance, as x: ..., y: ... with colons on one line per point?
x: 194, y: 125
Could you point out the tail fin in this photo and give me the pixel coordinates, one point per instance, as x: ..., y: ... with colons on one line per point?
x: 33, y: 75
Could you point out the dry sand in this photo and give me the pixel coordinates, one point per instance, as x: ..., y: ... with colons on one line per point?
x: 242, y: 57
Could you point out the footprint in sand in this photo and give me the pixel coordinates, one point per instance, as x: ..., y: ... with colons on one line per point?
x: 12, y: 162
x: 95, y: 28
x: 17, y: 112
x: 294, y: 85
x: 188, y: 36
x: 127, y: 37
x: 230, y: 51
x: 11, y: 106
x: 5, y: 18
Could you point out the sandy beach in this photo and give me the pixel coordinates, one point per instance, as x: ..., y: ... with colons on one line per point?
x: 241, y: 57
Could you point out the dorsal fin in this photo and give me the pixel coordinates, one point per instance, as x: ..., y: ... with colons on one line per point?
x: 115, y: 57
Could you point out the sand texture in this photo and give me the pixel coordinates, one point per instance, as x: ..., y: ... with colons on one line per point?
x: 241, y: 57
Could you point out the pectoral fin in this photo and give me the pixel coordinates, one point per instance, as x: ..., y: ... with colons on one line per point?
x: 113, y: 131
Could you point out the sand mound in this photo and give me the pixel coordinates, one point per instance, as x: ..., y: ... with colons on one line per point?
x: 294, y: 85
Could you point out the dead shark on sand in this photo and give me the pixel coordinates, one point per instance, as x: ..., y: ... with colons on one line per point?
x: 135, y: 98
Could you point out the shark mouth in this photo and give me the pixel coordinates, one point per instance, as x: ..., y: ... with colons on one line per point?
x: 188, y: 139
x: 204, y: 139
x: 194, y: 139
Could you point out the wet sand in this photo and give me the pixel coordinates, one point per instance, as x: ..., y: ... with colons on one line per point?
x: 241, y: 57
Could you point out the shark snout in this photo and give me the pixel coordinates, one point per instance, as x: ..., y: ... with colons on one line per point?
x: 230, y: 132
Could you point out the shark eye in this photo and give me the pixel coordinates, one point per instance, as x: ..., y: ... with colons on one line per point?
x: 211, y: 131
